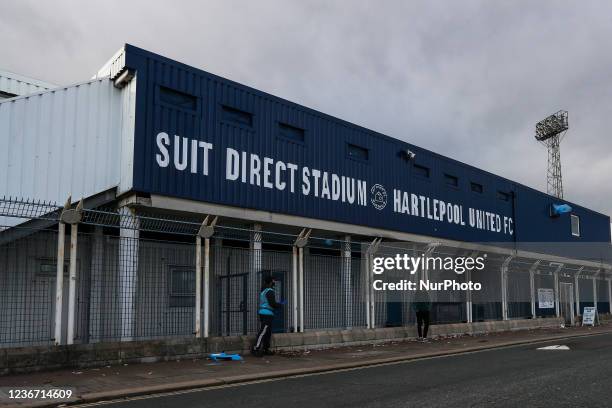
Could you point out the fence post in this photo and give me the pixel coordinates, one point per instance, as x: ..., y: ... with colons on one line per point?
x: 348, y: 290
x: 207, y: 230
x: 577, y: 290
x: 556, y: 274
x: 294, y: 287
x: 468, y: 301
x: 557, y: 309
x: 610, y: 295
x: 504, y: 286
x: 74, y: 236
x: 59, y: 282
x: 367, y: 289
x: 300, y: 242
x: 301, y: 283
x: 206, y: 287
x: 198, y: 286
x: 254, y: 279
x: 532, y: 270
x: 595, y: 291
x: 72, y: 217
x: 370, y: 300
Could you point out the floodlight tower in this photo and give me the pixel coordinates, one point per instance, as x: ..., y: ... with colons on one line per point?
x: 550, y: 132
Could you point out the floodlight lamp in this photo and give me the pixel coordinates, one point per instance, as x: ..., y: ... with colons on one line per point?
x: 552, y: 126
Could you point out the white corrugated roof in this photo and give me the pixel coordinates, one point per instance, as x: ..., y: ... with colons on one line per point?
x: 15, y: 84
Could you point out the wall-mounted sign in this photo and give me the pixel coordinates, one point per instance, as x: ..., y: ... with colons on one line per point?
x: 546, y: 298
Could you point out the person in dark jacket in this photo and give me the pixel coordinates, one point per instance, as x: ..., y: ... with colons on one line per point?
x: 422, y: 306
x: 267, y: 306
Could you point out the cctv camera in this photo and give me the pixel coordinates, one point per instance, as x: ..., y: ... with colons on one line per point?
x: 409, y: 154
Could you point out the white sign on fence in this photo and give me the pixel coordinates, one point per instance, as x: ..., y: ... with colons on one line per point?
x: 589, y: 316
x: 546, y: 298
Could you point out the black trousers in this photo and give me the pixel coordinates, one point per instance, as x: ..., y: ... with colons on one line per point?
x: 422, y: 322
x: 262, y: 341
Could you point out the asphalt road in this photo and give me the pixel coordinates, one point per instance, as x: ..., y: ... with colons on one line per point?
x: 508, y: 377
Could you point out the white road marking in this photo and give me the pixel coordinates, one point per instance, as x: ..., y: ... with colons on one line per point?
x: 554, y: 347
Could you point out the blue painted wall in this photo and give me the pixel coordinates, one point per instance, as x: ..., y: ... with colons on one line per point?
x: 197, y: 114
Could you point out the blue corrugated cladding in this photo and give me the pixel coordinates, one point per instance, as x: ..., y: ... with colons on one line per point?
x: 324, y: 148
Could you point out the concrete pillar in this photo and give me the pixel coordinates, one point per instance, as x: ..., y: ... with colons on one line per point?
x: 129, y: 245
x: 97, y: 310
x: 346, y: 282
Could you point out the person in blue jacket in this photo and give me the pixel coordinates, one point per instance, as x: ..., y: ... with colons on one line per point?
x: 267, y: 306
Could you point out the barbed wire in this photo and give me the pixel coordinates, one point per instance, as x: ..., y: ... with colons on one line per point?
x: 28, y: 208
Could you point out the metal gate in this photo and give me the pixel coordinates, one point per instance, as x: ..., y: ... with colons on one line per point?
x: 233, y: 310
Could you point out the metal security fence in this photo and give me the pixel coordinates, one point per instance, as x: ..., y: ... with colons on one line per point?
x: 27, y: 287
x: 131, y: 274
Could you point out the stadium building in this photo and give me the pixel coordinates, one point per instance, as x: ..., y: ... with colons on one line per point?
x: 194, y: 187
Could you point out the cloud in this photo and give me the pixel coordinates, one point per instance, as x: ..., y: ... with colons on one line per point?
x: 466, y: 79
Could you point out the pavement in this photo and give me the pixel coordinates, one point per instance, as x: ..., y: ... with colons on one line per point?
x: 124, y: 381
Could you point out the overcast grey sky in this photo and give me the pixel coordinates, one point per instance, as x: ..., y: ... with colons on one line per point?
x: 468, y: 79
